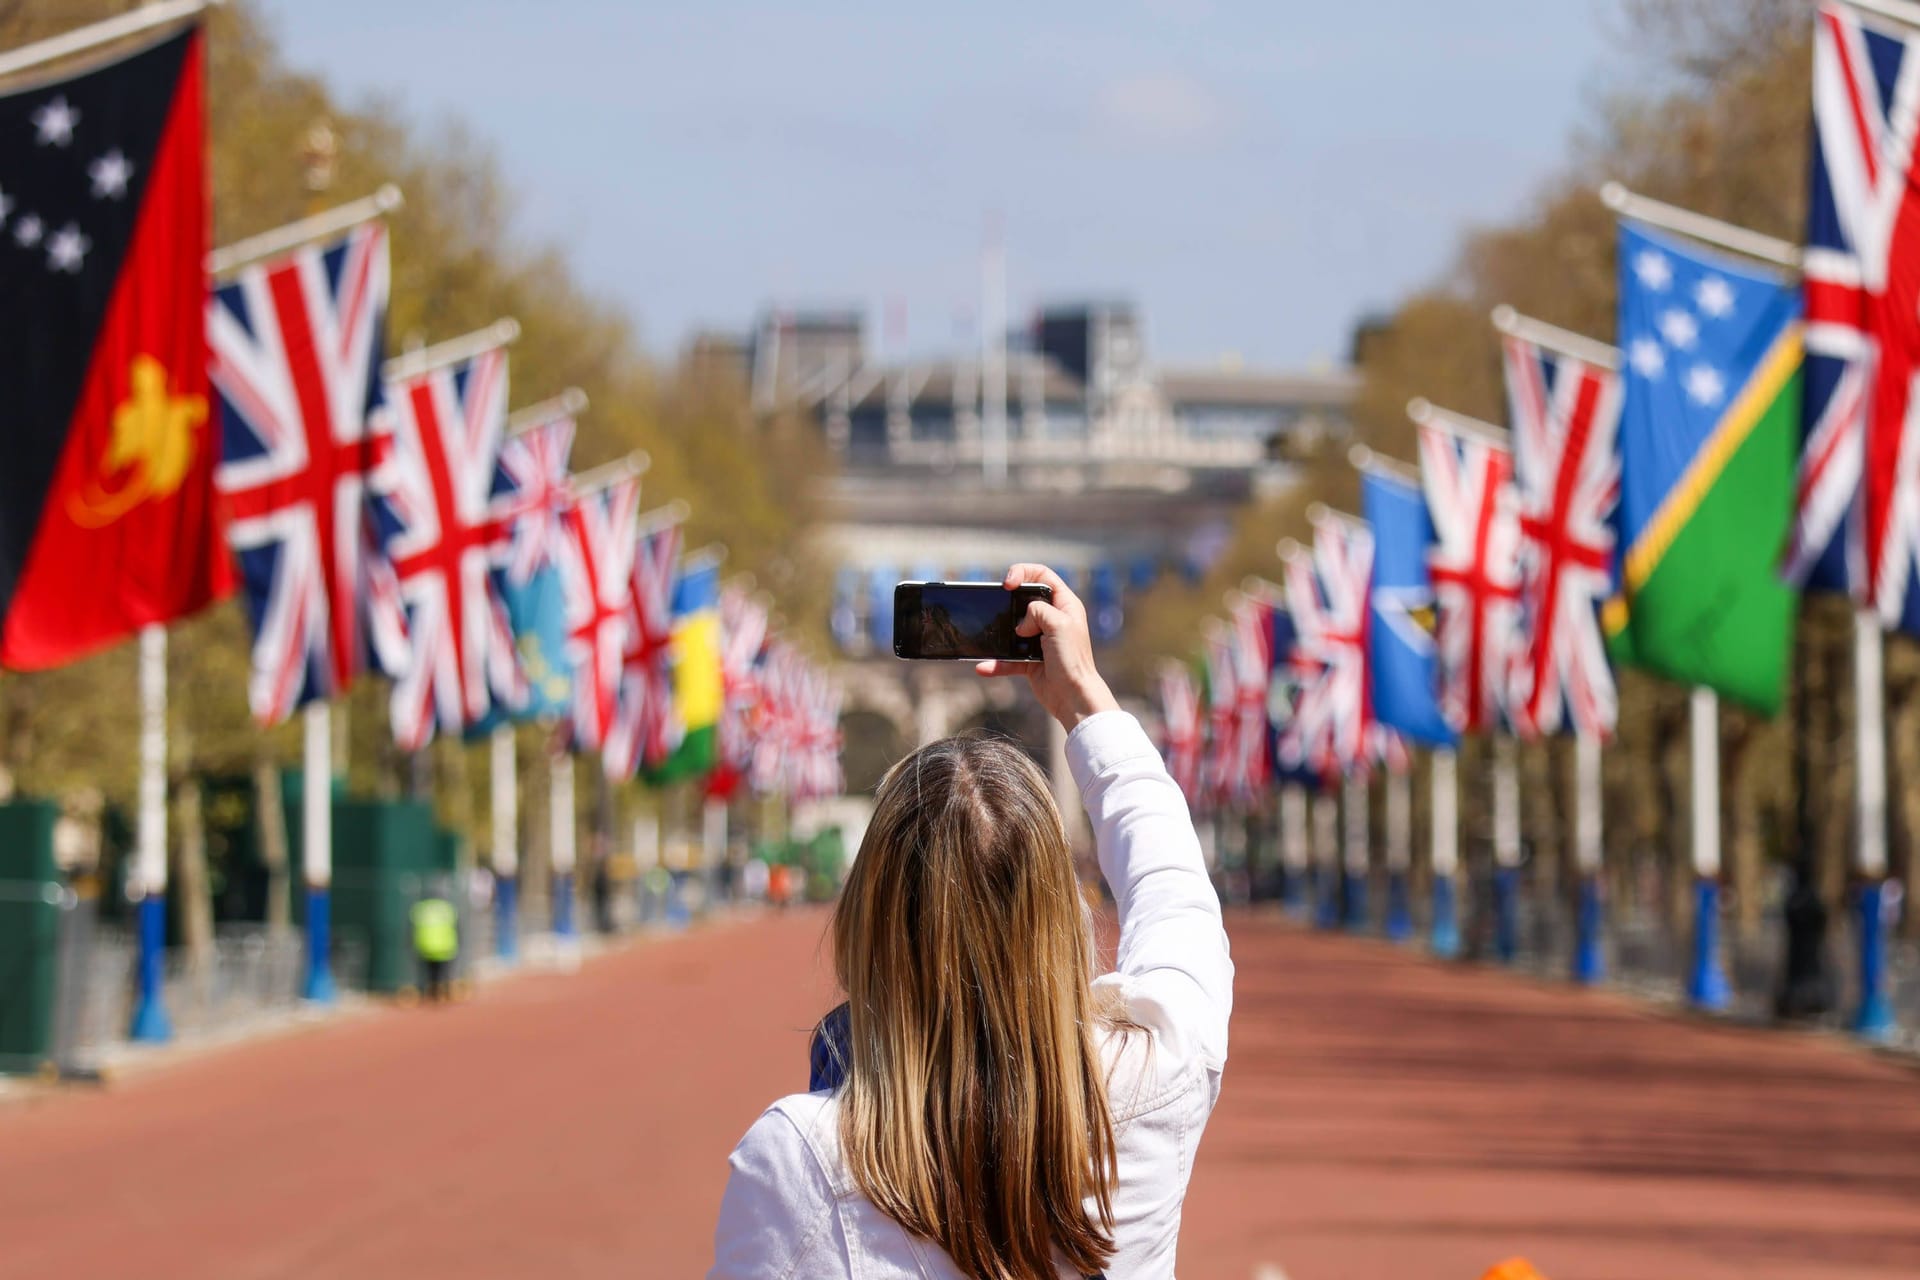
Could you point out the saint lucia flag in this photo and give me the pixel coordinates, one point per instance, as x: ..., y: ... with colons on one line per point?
x: 697, y: 686
x: 1400, y: 640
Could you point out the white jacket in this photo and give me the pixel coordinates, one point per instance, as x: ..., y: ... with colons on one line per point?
x: 793, y: 1212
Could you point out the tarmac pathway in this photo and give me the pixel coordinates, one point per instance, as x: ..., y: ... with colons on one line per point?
x: 1384, y: 1117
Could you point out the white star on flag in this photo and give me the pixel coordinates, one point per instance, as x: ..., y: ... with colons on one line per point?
x: 1654, y: 270
x: 1647, y: 359
x: 54, y: 123
x: 1704, y: 386
x: 26, y: 232
x: 1714, y: 297
x: 1678, y: 328
x: 110, y: 173
x: 66, y: 248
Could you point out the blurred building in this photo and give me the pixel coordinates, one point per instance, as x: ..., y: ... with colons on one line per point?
x: 1074, y: 448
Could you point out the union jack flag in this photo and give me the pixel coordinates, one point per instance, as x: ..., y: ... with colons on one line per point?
x: 774, y: 722
x: 816, y: 759
x: 532, y: 490
x: 743, y: 633
x: 1216, y: 772
x: 1566, y: 421
x: 1180, y: 711
x: 442, y: 535
x: 595, y: 554
x: 1475, y: 566
x: 645, y: 729
x: 1860, y: 461
x: 1250, y: 648
x: 294, y: 348
x: 1334, y: 730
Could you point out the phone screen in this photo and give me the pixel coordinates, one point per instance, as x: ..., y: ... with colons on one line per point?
x: 964, y: 620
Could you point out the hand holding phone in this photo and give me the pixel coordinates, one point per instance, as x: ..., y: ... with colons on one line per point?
x: 1065, y: 681
x: 965, y: 621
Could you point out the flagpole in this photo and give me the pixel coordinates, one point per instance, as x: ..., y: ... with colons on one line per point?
x: 673, y: 513
x: 993, y: 357
x: 412, y: 364
x: 567, y: 404
x: 1399, y: 854
x: 560, y: 814
x: 1589, y: 956
x: 1900, y: 11
x: 1423, y: 412
x: 142, y: 19
x: 1296, y: 854
x: 1326, y: 857
x: 1506, y: 849
x: 1712, y: 231
x: 1445, y: 854
x: 713, y: 844
x: 504, y: 787
x: 1365, y: 460
x: 244, y: 253
x: 150, y: 1021
x: 646, y: 857
x: 1355, y: 853
x: 316, y: 848
x: 1563, y: 341
x: 1873, y: 1019
x: 1707, y: 984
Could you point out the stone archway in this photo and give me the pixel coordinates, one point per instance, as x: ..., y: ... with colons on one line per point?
x: 870, y: 744
x: 1022, y: 720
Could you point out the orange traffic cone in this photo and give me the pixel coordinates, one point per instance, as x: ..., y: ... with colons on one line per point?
x: 1514, y: 1269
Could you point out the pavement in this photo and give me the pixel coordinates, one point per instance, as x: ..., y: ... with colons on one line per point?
x: 1383, y: 1116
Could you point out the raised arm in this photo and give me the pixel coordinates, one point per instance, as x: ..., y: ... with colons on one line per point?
x: 1173, y: 948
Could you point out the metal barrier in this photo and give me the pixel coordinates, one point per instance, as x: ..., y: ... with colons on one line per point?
x: 252, y: 973
x: 1649, y: 955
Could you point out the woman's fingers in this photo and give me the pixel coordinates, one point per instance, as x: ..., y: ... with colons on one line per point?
x: 1001, y: 667
x: 1048, y: 619
x: 1021, y: 574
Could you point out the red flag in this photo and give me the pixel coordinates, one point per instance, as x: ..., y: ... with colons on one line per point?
x: 108, y: 519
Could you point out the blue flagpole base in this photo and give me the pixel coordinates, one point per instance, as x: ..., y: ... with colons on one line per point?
x: 1445, y: 938
x: 1873, y: 1020
x: 1327, y: 914
x: 319, y: 987
x: 1589, y: 957
x: 1399, y: 914
x: 1293, y: 897
x: 150, y: 1022
x: 1506, y: 914
x: 1707, y: 986
x: 506, y: 918
x: 563, y: 904
x: 1356, y: 902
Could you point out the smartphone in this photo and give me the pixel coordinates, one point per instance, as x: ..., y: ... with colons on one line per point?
x: 970, y: 620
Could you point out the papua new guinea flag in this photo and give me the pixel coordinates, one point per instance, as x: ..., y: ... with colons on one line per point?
x: 108, y: 519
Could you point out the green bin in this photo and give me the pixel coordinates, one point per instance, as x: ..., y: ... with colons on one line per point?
x: 382, y: 852
x: 29, y: 933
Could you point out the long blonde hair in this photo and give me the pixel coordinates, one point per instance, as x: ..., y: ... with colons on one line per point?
x: 974, y: 1111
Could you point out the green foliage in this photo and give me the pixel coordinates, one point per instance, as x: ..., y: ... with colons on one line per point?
x: 1710, y: 112
x: 459, y: 263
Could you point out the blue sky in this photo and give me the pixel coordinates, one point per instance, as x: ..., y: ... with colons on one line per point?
x: 1254, y: 175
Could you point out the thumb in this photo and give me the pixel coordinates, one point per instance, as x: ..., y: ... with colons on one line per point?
x: 1042, y: 619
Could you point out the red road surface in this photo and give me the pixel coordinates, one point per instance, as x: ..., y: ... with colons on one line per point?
x: 1383, y: 1118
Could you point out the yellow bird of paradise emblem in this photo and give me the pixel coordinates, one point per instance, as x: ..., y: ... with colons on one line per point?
x: 150, y: 448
